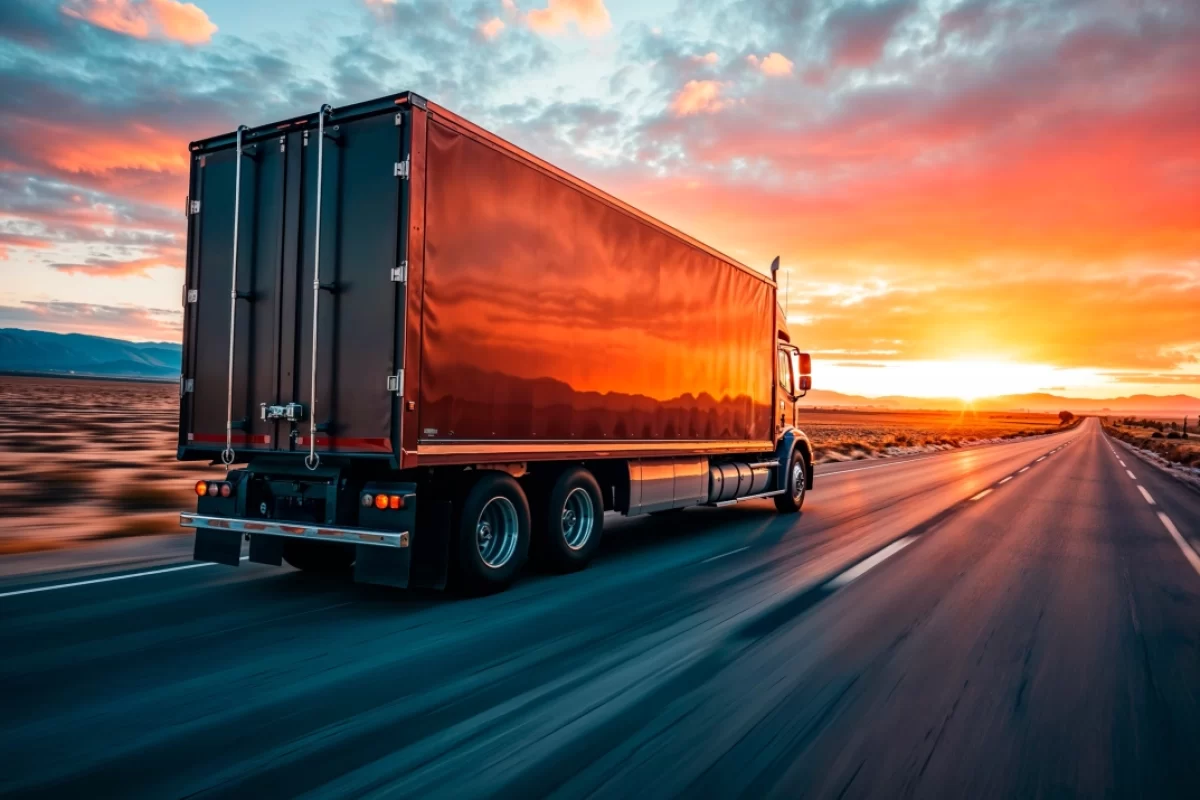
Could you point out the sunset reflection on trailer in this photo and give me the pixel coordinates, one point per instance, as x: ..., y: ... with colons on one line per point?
x: 427, y: 355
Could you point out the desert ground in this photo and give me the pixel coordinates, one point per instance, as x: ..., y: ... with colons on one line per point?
x: 83, y: 460
x: 1164, y: 438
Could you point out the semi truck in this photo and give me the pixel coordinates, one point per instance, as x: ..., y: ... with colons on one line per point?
x: 426, y: 356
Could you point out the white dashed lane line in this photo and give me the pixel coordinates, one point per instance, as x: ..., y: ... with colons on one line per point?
x: 982, y: 494
x: 1132, y: 477
x: 110, y: 578
x: 722, y: 555
x: 1022, y: 469
x: 1043, y: 458
x: 1188, y: 552
x: 1006, y: 480
x: 1146, y: 494
x: 859, y: 569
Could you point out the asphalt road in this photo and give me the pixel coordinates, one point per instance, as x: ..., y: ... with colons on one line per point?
x: 1017, y: 620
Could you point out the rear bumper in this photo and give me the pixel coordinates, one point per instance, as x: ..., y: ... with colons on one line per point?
x: 381, y: 557
x: 296, y: 530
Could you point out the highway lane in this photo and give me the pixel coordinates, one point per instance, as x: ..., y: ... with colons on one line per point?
x: 1039, y: 639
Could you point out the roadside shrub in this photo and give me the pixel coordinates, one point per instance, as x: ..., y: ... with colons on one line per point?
x: 1156, y: 435
x: 1172, y: 435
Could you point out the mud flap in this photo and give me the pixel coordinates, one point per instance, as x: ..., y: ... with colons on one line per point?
x: 431, y: 544
x: 387, y: 566
x: 219, y: 547
x: 266, y: 549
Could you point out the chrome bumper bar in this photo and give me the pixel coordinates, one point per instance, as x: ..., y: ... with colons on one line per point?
x: 295, y: 530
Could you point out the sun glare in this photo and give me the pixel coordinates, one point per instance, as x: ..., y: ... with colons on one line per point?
x: 966, y: 380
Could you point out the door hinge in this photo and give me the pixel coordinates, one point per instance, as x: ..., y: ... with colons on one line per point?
x: 193, y: 295
x: 186, y: 385
x: 395, y: 383
x: 400, y: 273
x: 401, y: 169
x: 399, y: 120
x: 194, y: 207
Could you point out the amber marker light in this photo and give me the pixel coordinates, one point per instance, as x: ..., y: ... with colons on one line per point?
x: 381, y: 501
x: 201, y: 488
x: 395, y: 501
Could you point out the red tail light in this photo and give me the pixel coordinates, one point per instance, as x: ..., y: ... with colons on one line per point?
x: 226, y: 489
x: 201, y: 488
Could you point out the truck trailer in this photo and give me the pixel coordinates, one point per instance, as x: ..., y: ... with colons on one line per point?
x: 425, y: 355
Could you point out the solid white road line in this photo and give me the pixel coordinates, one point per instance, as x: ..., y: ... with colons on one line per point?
x: 1006, y: 480
x: 722, y: 555
x: 1131, y: 475
x: 1022, y: 469
x: 1188, y: 552
x: 1146, y: 494
x: 982, y: 494
x: 864, y: 566
x: 111, y: 578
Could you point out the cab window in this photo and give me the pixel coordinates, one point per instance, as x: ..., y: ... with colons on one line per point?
x: 786, y: 380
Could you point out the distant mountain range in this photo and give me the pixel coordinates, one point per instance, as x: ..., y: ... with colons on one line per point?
x: 94, y: 356
x: 1147, y: 404
x: 83, y: 355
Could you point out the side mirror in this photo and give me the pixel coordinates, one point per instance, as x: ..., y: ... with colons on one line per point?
x: 805, y: 383
x: 805, y: 364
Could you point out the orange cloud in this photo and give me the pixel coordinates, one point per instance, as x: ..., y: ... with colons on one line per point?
x: 590, y: 17
x: 698, y: 97
x: 146, y: 19
x: 170, y: 257
x: 773, y: 64
x: 491, y: 29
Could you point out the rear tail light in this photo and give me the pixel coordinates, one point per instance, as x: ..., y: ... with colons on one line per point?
x: 214, y: 488
x: 383, y: 501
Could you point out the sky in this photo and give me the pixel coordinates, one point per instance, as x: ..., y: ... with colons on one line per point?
x: 969, y: 197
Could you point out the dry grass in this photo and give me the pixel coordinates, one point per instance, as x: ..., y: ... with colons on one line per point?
x: 843, y: 435
x: 83, y: 459
x: 1156, y: 436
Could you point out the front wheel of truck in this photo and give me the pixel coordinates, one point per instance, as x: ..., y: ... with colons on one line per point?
x: 493, y: 533
x: 793, y: 498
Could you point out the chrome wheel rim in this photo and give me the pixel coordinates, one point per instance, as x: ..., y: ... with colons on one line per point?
x: 578, y: 518
x: 496, y: 532
x: 797, y: 480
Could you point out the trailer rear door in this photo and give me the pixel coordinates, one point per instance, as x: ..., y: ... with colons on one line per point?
x: 357, y: 339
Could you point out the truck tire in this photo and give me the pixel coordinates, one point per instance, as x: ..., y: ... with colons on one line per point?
x: 569, y: 522
x: 323, y: 558
x: 492, y: 541
x: 791, y: 500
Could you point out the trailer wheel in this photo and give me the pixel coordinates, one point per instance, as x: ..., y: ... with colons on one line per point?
x: 493, y: 533
x: 791, y: 500
x: 569, y: 522
x: 324, y: 558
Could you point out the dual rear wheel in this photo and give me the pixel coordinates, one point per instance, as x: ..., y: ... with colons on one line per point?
x: 499, y: 527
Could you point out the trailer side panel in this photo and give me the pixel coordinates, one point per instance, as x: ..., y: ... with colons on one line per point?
x: 550, y: 316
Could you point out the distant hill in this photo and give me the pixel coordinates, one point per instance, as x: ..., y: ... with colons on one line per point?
x: 94, y: 356
x: 1035, y: 402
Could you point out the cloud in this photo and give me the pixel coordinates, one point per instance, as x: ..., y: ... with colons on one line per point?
x: 117, y: 321
x: 491, y: 28
x: 589, y: 17
x: 146, y: 19
x: 858, y: 32
x: 698, y: 97
x: 771, y: 64
x: 709, y: 58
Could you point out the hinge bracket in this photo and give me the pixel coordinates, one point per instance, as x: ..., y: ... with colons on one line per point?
x: 193, y: 295
x: 395, y: 383
x: 401, y: 169
x: 186, y: 385
x: 400, y: 273
x: 399, y: 120
x: 195, y: 207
